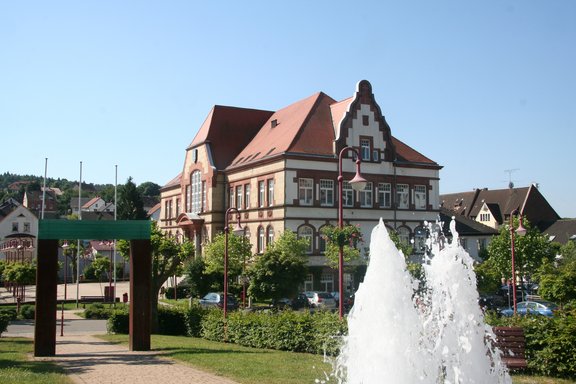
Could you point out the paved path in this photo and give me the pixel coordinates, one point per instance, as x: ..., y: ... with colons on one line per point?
x: 89, y: 360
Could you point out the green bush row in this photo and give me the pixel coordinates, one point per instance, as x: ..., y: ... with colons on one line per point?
x: 317, y: 333
x: 550, y: 342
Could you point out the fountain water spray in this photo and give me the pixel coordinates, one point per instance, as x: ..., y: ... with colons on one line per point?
x: 395, y: 336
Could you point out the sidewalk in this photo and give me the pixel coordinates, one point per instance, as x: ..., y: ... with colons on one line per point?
x: 89, y: 360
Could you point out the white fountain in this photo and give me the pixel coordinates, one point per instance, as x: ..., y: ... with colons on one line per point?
x: 439, y: 337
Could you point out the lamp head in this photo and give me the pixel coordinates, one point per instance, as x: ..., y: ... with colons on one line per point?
x: 358, y: 183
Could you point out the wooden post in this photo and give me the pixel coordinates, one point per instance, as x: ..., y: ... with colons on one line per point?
x: 140, y: 293
x: 46, y: 298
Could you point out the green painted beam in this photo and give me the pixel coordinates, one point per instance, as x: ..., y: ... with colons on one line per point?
x: 94, y: 230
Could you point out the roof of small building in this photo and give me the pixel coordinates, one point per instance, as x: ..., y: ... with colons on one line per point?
x: 562, y: 231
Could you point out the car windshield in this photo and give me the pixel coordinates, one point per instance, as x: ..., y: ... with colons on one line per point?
x: 325, y: 295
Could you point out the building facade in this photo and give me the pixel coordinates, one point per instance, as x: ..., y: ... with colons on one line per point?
x: 280, y: 170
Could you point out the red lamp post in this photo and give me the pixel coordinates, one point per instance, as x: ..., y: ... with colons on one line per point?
x: 64, y: 247
x: 226, y: 231
x: 358, y: 183
x: 521, y: 231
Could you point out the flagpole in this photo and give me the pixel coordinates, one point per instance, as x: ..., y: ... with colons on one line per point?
x: 78, y: 245
x: 115, y: 218
x: 44, y: 188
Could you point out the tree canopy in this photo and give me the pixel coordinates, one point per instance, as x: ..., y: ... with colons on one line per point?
x: 130, y: 203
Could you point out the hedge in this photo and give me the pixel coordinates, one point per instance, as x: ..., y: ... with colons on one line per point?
x: 550, y: 342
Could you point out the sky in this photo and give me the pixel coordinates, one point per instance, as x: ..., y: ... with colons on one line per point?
x: 487, y: 89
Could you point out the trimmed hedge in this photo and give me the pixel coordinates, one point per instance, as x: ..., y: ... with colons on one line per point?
x: 286, y: 330
x: 28, y: 312
x: 4, y: 321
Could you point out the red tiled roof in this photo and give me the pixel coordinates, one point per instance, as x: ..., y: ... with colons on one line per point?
x: 409, y: 154
x: 338, y: 111
x: 174, y: 182
x: 228, y: 130
x: 91, y: 202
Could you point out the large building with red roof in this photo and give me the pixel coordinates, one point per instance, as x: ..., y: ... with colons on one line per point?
x: 280, y: 170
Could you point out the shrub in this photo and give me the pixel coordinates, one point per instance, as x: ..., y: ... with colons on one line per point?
x: 182, y: 292
x: 98, y: 311
x: 119, y: 321
x: 194, y: 318
x: 28, y: 312
x: 550, y: 342
x: 172, y: 321
x: 4, y: 321
x: 9, y: 312
x: 285, y: 330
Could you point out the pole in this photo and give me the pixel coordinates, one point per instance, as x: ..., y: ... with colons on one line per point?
x: 513, y: 262
x: 115, y: 218
x: 44, y: 188
x: 340, y: 246
x: 64, y: 299
x: 78, y: 244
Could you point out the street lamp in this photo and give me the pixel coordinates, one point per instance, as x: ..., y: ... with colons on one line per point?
x: 226, y: 231
x: 358, y: 183
x: 64, y: 247
x: 521, y: 231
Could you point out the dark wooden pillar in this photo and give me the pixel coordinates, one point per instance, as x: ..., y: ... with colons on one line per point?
x: 140, y: 293
x: 46, y: 292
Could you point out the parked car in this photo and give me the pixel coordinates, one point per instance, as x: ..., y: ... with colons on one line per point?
x: 348, y: 300
x: 544, y: 308
x: 300, y: 301
x: 321, y: 300
x: 492, y: 302
x: 216, y: 299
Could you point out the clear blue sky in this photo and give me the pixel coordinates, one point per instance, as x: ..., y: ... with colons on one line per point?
x: 478, y: 86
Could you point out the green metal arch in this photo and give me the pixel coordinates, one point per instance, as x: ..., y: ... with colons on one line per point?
x: 94, y: 229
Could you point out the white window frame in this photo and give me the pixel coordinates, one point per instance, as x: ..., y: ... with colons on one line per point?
x: 239, y: 196
x: 196, y: 192
x: 347, y: 195
x: 247, y: 196
x: 420, y: 197
x: 261, y: 193
x: 326, y: 192
x: 327, y: 282
x: 403, y: 196
x: 269, y: 235
x: 385, y: 195
x: 365, y: 149
x: 261, y: 239
x: 307, y: 232
x: 270, y: 183
x: 366, y: 196
x: 306, y: 191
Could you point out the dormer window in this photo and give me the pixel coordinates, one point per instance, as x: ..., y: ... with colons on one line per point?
x: 366, y: 149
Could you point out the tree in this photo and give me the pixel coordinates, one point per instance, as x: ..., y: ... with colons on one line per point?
x: 557, y: 278
x: 130, y: 203
x: 530, y: 252
x: 239, y: 251
x: 279, y: 271
x: 100, y: 266
x: 168, y: 256
x: 349, y: 236
x: 200, y: 281
x: 149, y: 188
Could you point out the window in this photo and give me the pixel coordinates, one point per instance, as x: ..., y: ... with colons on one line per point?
x: 305, y: 191
x: 269, y: 235
x: 321, y: 242
x: 385, y: 195
x: 203, y: 207
x: 15, y: 226
x: 231, y: 197
x: 309, y: 282
x: 177, y: 206
x: 239, y: 197
x: 347, y: 195
x: 348, y: 282
x: 326, y: 193
x: 187, y: 199
x: 247, y: 196
x: 261, y: 193
x: 484, y: 217
x: 196, y: 192
x: 375, y: 155
x: 365, y: 149
x: 366, y: 196
x: 419, y: 240
x: 402, y: 199
x: 404, y: 235
x: 306, y: 232
x: 270, y: 192
x: 261, y: 240
x: 26, y: 227
x: 420, y: 197
x: 327, y: 282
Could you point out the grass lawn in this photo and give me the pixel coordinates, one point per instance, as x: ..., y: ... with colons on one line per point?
x: 251, y: 366
x: 17, y: 368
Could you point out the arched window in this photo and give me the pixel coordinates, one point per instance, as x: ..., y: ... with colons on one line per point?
x: 196, y: 192
x: 321, y: 241
x: 419, y: 240
x: 404, y: 235
x: 261, y: 240
x: 269, y: 235
x: 307, y: 232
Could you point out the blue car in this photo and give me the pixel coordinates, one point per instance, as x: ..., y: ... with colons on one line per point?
x: 544, y: 308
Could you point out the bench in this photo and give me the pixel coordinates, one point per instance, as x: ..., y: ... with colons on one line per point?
x: 93, y: 299
x: 512, y: 344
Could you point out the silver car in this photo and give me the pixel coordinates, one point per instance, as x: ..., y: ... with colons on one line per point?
x: 321, y: 300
